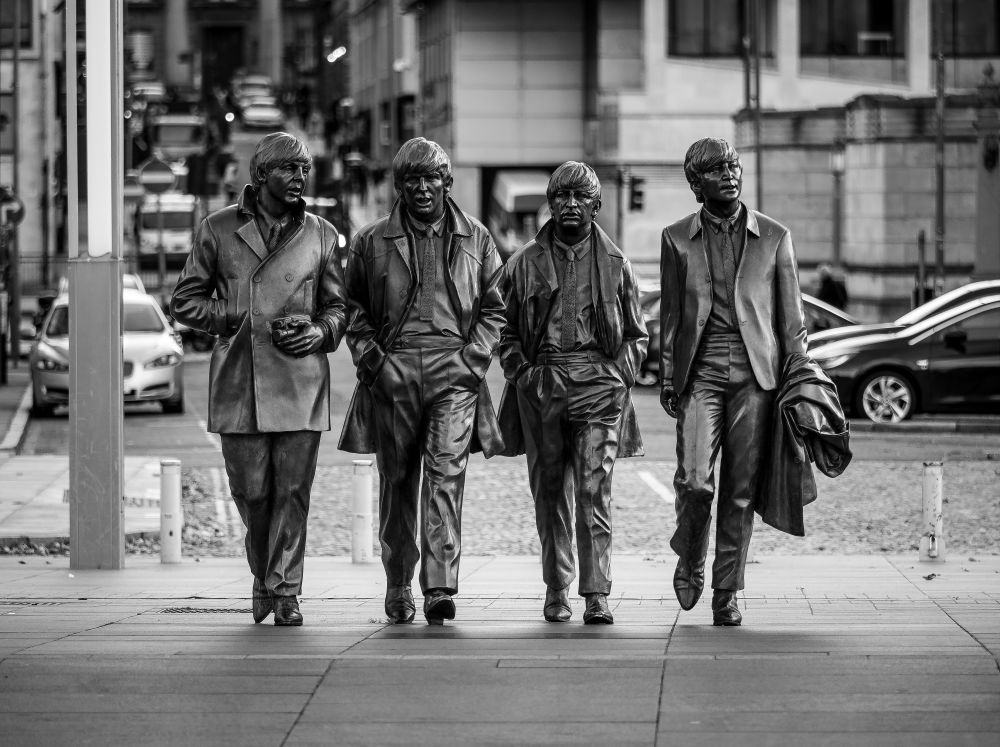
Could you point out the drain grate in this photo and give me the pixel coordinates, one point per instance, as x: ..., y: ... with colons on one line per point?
x: 203, y: 610
x: 25, y: 603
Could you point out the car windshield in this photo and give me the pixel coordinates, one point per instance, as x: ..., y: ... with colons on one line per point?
x: 138, y: 317
x: 177, y: 134
x: 951, y: 298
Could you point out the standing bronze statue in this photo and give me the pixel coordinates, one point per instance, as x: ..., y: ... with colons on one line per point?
x: 263, y: 275
x: 573, y: 343
x: 731, y: 313
x: 426, y: 314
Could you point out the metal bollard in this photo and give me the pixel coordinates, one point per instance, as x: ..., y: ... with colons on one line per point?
x: 171, y: 513
x: 361, y: 534
x: 932, y: 538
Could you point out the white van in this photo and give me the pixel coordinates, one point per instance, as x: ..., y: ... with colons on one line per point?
x: 516, y: 203
x: 174, y: 224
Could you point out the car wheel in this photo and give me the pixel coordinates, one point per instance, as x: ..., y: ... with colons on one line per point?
x: 173, y: 406
x: 886, y: 397
x: 41, y: 411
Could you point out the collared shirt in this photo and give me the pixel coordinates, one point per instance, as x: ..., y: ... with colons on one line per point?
x: 723, y: 315
x: 272, y: 228
x: 586, y: 282
x: 445, y: 320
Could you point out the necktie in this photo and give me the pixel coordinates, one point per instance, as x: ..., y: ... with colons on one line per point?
x: 569, y: 303
x: 428, y: 276
x: 273, y: 236
x: 729, y: 267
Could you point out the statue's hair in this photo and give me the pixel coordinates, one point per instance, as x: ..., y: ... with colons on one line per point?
x: 703, y: 155
x: 420, y: 156
x: 276, y: 149
x: 574, y: 175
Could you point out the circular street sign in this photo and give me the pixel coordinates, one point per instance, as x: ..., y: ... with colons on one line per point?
x: 156, y: 176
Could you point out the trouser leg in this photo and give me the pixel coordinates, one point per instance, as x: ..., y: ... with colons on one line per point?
x: 248, y: 466
x: 449, y: 418
x: 397, y: 418
x: 595, y: 410
x: 748, y: 420
x: 700, y: 412
x: 293, y: 456
x: 542, y: 408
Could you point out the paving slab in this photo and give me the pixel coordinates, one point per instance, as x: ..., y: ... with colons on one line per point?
x: 834, y: 650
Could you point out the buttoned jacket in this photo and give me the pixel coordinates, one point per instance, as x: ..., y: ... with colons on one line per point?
x: 382, y: 286
x: 232, y: 287
x: 531, y: 284
x: 768, y: 300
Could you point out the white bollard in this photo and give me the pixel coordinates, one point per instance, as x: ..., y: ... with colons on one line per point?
x: 361, y: 534
x: 171, y: 513
x: 932, y: 525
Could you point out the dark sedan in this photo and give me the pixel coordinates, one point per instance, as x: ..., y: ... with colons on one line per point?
x: 819, y: 316
x: 948, y: 362
x: 945, y: 301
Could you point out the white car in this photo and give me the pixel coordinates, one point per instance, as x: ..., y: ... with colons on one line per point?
x: 263, y: 112
x: 151, y: 353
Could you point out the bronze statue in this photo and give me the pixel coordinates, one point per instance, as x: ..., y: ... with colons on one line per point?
x: 426, y: 314
x: 573, y: 343
x: 263, y: 275
x: 731, y: 313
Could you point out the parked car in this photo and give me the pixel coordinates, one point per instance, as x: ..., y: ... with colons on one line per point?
x: 948, y: 362
x: 262, y: 112
x: 176, y: 137
x: 947, y: 300
x: 151, y: 353
x: 819, y: 316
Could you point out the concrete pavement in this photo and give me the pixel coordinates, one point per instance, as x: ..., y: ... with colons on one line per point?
x: 834, y: 650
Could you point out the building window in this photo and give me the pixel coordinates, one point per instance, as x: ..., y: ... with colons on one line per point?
x: 714, y: 28
x: 7, y: 24
x: 852, y: 28
x: 971, y: 28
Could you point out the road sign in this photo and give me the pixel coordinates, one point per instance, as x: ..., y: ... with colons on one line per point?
x: 156, y: 176
x: 11, y: 208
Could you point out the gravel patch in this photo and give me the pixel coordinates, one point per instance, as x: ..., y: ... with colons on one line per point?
x: 874, y: 507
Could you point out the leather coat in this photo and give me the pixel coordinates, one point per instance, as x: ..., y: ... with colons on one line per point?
x: 382, y: 286
x: 530, y: 287
x: 809, y: 426
x: 768, y: 299
x: 232, y: 287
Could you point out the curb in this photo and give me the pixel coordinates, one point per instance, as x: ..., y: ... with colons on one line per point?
x: 935, y: 426
x: 19, y: 422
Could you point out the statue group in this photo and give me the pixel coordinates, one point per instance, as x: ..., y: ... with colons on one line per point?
x: 425, y: 304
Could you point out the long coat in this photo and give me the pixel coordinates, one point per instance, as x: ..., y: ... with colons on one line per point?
x: 382, y: 285
x: 808, y: 427
x: 768, y: 299
x: 530, y: 288
x: 230, y: 286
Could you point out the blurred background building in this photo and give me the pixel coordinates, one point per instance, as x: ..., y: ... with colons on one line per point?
x: 832, y: 103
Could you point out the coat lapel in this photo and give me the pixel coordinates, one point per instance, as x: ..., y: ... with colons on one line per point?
x: 252, y: 238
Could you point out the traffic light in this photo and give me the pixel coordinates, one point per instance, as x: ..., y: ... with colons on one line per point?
x: 636, y: 195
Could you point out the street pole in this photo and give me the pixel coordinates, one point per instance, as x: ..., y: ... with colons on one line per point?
x: 939, y: 153
x: 921, y: 267
x: 14, y: 274
x: 758, y: 146
x: 161, y: 251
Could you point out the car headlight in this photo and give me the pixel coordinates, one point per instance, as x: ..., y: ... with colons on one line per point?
x: 49, y: 364
x: 170, y: 359
x: 832, y: 360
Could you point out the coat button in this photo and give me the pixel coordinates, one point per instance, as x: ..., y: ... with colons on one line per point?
x: 256, y: 311
x: 701, y: 322
x: 289, y: 277
x: 402, y: 294
x: 256, y: 279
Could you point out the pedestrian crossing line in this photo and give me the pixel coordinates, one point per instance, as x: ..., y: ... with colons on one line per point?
x: 656, y: 486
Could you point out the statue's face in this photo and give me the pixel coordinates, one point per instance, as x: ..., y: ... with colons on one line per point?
x: 573, y: 210
x: 424, y: 195
x: 722, y: 183
x: 287, y: 182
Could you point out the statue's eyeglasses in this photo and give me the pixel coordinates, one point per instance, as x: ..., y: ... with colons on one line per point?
x: 717, y: 172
